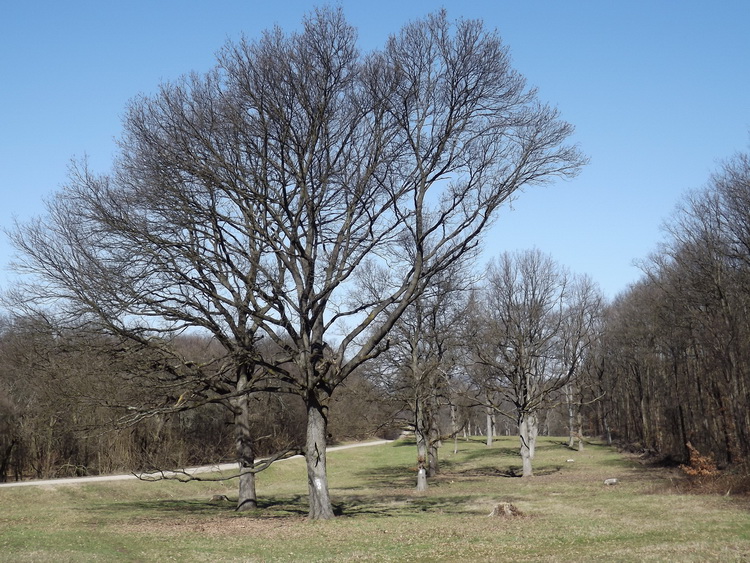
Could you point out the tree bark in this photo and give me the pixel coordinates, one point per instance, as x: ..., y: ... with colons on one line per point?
x: 432, y: 452
x: 454, y: 429
x: 421, y: 443
x: 421, y: 475
x: 422, y: 464
x: 490, y: 426
x: 528, y: 430
x: 607, y: 430
x: 315, y: 456
x: 245, y: 447
x: 571, y: 417
x: 580, y: 432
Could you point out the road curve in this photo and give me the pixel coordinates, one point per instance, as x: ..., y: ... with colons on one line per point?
x: 166, y: 474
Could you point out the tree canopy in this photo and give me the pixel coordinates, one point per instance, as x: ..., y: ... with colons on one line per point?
x: 301, y: 192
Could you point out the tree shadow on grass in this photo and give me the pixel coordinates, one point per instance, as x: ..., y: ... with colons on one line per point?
x: 346, y: 506
x: 278, y: 507
x: 489, y: 452
x: 387, y: 477
x: 485, y: 462
x: 386, y: 506
x: 507, y: 471
x: 404, y: 442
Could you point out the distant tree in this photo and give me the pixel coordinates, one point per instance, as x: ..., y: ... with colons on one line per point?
x: 360, y: 409
x: 258, y: 200
x: 59, y: 396
x: 421, y: 359
x: 529, y: 337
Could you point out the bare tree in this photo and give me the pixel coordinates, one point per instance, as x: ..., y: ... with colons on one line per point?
x: 531, y: 337
x: 418, y: 366
x: 677, y: 341
x: 255, y: 201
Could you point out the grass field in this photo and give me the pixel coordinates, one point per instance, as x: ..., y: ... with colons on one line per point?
x: 568, y: 513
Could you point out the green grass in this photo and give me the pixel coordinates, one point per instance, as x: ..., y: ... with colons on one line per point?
x: 569, y: 514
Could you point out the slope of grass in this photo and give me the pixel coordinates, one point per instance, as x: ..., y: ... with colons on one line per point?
x: 568, y: 513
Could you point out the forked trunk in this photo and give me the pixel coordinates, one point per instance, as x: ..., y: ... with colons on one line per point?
x: 245, y: 447
x: 315, y: 456
x: 528, y: 429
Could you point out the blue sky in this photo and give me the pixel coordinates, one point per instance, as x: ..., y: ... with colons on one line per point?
x: 659, y: 93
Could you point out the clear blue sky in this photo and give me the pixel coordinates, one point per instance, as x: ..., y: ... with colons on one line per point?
x: 659, y: 93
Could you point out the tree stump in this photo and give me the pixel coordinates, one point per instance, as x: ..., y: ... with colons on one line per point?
x: 506, y: 510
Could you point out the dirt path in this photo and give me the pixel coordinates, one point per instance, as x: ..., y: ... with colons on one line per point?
x: 147, y: 476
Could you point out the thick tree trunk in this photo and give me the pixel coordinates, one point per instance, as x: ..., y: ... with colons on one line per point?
x: 427, y: 436
x: 315, y: 456
x: 421, y: 480
x: 432, y: 453
x: 245, y: 447
x: 421, y: 443
x: 421, y: 474
x: 528, y: 429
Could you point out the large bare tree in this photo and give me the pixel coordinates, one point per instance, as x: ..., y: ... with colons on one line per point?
x: 258, y: 201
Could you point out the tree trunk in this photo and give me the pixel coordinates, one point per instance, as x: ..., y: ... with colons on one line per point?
x: 571, y: 416
x: 5, y: 462
x: 421, y: 474
x: 432, y: 453
x: 454, y: 429
x: 421, y: 460
x: 490, y: 426
x: 421, y: 444
x: 607, y: 430
x: 245, y: 447
x: 315, y: 456
x: 580, y: 432
x: 528, y: 429
x: 421, y: 480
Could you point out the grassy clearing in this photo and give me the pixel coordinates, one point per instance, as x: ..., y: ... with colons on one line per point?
x: 569, y: 514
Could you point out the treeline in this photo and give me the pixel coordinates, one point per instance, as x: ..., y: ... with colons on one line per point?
x: 532, y: 349
x: 676, y: 349
x: 72, y: 403
x: 65, y: 406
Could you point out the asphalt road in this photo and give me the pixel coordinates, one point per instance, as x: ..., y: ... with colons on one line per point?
x: 166, y: 474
